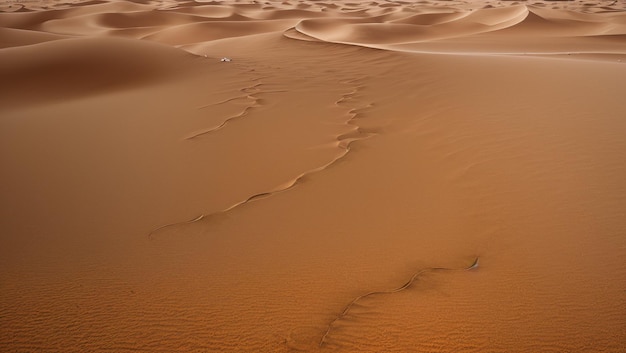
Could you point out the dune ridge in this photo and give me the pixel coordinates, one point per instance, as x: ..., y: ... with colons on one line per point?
x: 397, y: 26
x: 82, y: 66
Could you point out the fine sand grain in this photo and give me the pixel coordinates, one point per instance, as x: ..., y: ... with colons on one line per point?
x: 331, y: 188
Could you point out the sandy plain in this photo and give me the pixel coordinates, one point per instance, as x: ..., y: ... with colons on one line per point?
x: 363, y: 176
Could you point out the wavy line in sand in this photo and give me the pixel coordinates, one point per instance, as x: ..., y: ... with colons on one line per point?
x: 344, y: 141
x: 250, y: 92
x: 199, y: 218
x: 247, y: 95
x: 347, y: 308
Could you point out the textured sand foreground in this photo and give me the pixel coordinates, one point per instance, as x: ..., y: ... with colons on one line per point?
x: 363, y: 176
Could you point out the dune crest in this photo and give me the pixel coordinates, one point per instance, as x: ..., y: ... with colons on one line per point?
x: 424, y: 27
x: 85, y: 66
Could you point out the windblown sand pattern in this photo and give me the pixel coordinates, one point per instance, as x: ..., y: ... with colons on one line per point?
x: 158, y: 199
x: 406, y: 285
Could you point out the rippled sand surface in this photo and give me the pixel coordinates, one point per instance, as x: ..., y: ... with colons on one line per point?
x: 361, y: 176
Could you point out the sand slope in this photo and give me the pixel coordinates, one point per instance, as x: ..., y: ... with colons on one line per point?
x: 157, y: 199
x: 85, y: 66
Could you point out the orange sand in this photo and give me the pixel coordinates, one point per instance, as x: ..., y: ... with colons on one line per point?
x: 156, y: 199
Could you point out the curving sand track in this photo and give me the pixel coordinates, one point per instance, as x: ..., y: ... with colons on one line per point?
x: 158, y: 199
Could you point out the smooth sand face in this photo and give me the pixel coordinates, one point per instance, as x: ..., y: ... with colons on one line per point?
x: 156, y: 199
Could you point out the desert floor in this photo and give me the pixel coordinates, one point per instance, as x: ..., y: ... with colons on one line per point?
x: 359, y: 176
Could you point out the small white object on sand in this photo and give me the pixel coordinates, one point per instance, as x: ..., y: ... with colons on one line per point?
x: 225, y: 59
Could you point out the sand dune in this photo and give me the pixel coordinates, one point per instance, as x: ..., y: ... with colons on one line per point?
x: 327, y: 189
x: 84, y: 66
x: 16, y: 37
x: 205, y: 31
